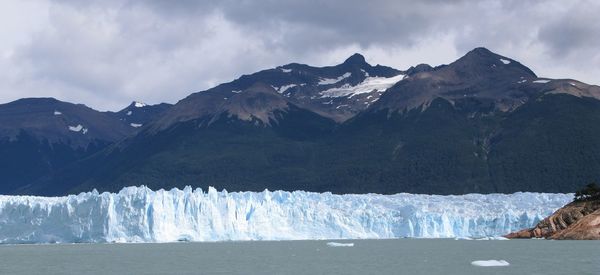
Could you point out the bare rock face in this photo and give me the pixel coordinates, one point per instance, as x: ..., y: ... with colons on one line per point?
x: 579, y: 220
x: 586, y: 228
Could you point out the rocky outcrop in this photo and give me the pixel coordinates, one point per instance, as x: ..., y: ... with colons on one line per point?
x: 579, y: 220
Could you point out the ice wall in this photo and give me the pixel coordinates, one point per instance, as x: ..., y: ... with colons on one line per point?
x: 138, y: 214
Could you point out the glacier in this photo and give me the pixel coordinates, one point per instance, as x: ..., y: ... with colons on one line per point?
x: 138, y: 214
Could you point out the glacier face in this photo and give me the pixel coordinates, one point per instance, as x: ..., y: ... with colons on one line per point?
x: 138, y: 214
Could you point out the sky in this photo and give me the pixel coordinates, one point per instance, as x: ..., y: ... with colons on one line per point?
x: 108, y: 53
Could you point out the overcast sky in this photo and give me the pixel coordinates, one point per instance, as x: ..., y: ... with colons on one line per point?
x: 107, y: 53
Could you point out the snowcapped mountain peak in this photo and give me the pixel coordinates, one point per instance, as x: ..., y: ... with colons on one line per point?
x: 139, y: 104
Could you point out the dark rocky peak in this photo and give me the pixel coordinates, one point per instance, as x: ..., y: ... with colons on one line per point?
x: 356, y: 59
x: 418, y: 69
x: 481, y: 62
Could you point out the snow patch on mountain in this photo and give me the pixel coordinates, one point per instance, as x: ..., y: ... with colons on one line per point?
x: 370, y: 84
x: 328, y: 81
x: 57, y: 113
x: 284, y: 88
x: 505, y: 61
x: 541, y: 81
x: 135, y: 125
x: 78, y: 128
x: 139, y: 104
x: 138, y: 214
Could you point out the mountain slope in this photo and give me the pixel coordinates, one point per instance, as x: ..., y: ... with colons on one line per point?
x: 256, y: 139
x: 41, y: 135
x: 484, y: 123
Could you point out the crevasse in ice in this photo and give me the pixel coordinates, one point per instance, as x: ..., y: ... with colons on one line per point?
x: 138, y: 214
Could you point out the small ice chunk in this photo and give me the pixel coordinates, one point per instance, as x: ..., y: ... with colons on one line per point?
x: 505, y: 61
x: 135, y: 125
x: 139, y: 104
x: 129, y: 113
x: 541, y: 81
x: 57, y: 113
x: 492, y: 238
x: 487, y: 263
x: 335, y: 244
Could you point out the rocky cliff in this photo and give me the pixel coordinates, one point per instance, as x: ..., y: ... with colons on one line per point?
x: 578, y: 220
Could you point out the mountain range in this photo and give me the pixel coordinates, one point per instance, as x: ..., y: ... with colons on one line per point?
x: 484, y: 123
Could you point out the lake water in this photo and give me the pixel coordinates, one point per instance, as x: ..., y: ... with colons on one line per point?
x: 400, y: 256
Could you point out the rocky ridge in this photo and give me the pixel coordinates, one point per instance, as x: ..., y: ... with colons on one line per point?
x: 578, y: 220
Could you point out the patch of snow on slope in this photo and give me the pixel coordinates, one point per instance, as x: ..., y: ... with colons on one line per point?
x: 135, y: 125
x: 138, y: 214
x: 78, y: 128
x: 286, y: 70
x: 139, y: 104
x: 327, y: 81
x: 129, y: 113
x: 283, y: 88
x: 57, y: 113
x: 368, y: 85
x: 505, y: 61
x: 542, y: 81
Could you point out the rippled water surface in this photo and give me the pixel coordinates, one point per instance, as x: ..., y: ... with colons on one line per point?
x: 400, y: 256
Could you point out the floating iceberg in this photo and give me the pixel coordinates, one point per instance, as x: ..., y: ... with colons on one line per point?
x: 336, y: 244
x: 138, y: 214
x: 488, y: 263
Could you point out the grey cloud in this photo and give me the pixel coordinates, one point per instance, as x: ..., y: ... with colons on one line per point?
x: 576, y: 29
x: 107, y: 52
